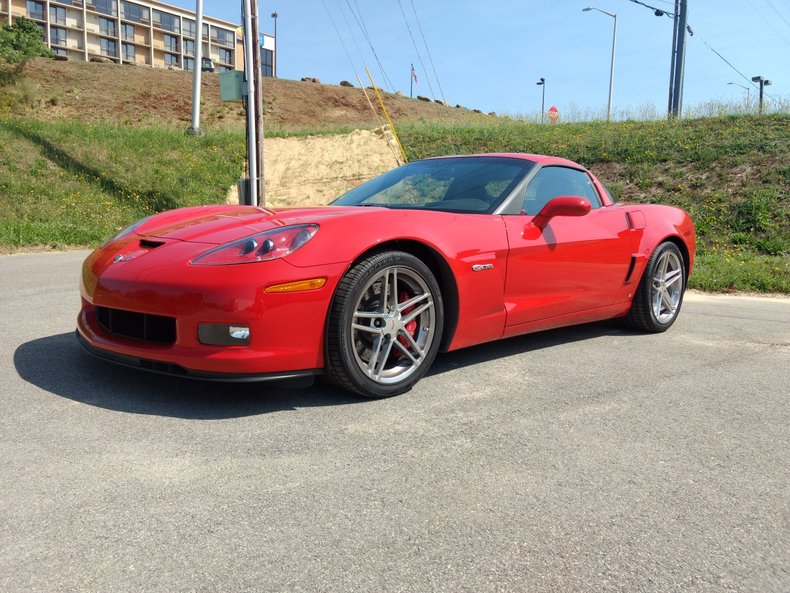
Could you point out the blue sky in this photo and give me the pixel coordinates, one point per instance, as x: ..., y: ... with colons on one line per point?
x: 489, y: 55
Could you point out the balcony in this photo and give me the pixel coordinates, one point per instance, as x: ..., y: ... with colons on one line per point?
x: 36, y: 15
x: 68, y: 3
x: 135, y: 18
x: 101, y: 9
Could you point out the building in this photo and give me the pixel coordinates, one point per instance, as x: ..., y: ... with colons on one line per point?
x: 140, y: 32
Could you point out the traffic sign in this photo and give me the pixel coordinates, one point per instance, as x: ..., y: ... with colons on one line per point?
x: 554, y: 114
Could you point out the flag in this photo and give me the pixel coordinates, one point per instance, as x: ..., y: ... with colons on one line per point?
x: 414, y: 74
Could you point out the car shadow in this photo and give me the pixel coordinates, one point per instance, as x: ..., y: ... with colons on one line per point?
x: 526, y: 343
x: 59, y: 365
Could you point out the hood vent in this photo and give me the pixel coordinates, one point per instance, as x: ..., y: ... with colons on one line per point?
x: 148, y: 244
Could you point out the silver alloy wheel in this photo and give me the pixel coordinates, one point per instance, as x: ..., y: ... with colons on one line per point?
x: 667, y: 287
x: 392, y: 328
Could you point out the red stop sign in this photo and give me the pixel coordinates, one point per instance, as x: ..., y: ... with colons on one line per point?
x: 554, y: 114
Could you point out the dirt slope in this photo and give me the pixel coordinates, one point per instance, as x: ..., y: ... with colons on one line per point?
x: 140, y: 95
x: 314, y: 170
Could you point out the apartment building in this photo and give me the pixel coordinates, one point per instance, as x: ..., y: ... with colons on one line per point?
x: 141, y: 32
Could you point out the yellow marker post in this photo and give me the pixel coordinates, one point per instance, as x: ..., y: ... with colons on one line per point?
x: 387, y: 115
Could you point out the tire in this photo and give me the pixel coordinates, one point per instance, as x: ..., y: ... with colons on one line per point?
x: 658, y: 297
x: 381, y: 347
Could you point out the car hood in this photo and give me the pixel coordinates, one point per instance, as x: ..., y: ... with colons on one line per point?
x: 217, y: 225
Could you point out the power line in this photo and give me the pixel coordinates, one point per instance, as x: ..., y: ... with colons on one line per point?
x: 769, y: 23
x: 419, y: 56
x: 430, y: 58
x: 331, y: 20
x: 781, y: 16
x: 657, y: 11
x: 726, y: 61
x: 351, y: 33
x: 361, y: 24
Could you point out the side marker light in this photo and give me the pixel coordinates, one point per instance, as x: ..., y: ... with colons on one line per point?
x: 298, y: 286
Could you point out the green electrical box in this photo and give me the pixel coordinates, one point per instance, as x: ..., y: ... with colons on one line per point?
x: 231, y: 85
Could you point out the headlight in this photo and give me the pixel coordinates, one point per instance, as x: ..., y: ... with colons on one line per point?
x: 264, y: 246
x: 128, y: 230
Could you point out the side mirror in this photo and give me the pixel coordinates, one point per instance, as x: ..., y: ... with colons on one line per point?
x: 561, y: 206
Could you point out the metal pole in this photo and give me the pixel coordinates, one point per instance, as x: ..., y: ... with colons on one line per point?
x: 680, y: 61
x: 258, y: 84
x: 611, y: 71
x: 276, y: 39
x: 543, y: 101
x: 196, y: 78
x: 252, y: 134
x: 670, y: 101
x: 411, y: 82
x: 762, y: 88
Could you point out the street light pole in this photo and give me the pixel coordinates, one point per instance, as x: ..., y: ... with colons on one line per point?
x: 748, y: 92
x: 542, y: 83
x: 763, y: 82
x: 611, y: 69
x: 198, y: 70
x: 274, y: 62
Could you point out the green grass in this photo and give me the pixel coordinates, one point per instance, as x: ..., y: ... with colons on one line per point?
x: 730, y: 173
x: 70, y: 184
x: 73, y: 184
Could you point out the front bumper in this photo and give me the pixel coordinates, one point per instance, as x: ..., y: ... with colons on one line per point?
x: 286, y: 330
x: 166, y: 368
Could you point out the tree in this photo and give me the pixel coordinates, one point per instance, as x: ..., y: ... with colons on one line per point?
x: 18, y: 43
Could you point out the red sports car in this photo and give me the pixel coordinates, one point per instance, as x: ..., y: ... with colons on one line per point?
x: 438, y: 254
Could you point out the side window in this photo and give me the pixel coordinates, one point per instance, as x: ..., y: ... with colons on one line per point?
x: 551, y: 182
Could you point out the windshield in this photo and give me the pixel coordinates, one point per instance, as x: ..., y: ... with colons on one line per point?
x: 457, y: 184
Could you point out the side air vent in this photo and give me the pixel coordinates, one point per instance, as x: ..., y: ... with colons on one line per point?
x: 148, y: 244
x: 630, y: 270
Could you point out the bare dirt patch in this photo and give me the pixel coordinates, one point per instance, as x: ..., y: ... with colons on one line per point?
x: 314, y: 170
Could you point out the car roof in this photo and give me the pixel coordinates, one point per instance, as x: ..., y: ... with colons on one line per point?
x: 541, y: 159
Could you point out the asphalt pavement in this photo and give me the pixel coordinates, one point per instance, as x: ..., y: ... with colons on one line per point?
x: 582, y: 459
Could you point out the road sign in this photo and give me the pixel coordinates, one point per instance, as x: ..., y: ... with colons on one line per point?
x: 554, y: 114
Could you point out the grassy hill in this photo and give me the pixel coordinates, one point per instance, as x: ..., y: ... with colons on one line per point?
x: 74, y: 182
x: 142, y: 96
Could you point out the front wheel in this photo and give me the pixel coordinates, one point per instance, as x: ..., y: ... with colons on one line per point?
x: 660, y: 292
x: 384, y: 325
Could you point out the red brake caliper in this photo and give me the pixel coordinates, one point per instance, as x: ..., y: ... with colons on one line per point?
x: 411, y: 327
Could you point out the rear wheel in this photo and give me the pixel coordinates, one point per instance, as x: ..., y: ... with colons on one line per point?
x: 659, y: 296
x: 384, y: 326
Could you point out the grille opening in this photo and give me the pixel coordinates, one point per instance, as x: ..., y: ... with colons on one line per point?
x: 148, y: 244
x: 138, y: 326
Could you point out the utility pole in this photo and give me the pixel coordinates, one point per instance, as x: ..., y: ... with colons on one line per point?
x: 252, y: 75
x: 195, y: 129
x: 680, y: 60
x: 258, y: 81
x: 763, y: 82
x: 670, y: 100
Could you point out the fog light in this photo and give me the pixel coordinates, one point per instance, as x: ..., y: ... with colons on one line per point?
x: 223, y: 334
x: 239, y: 332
